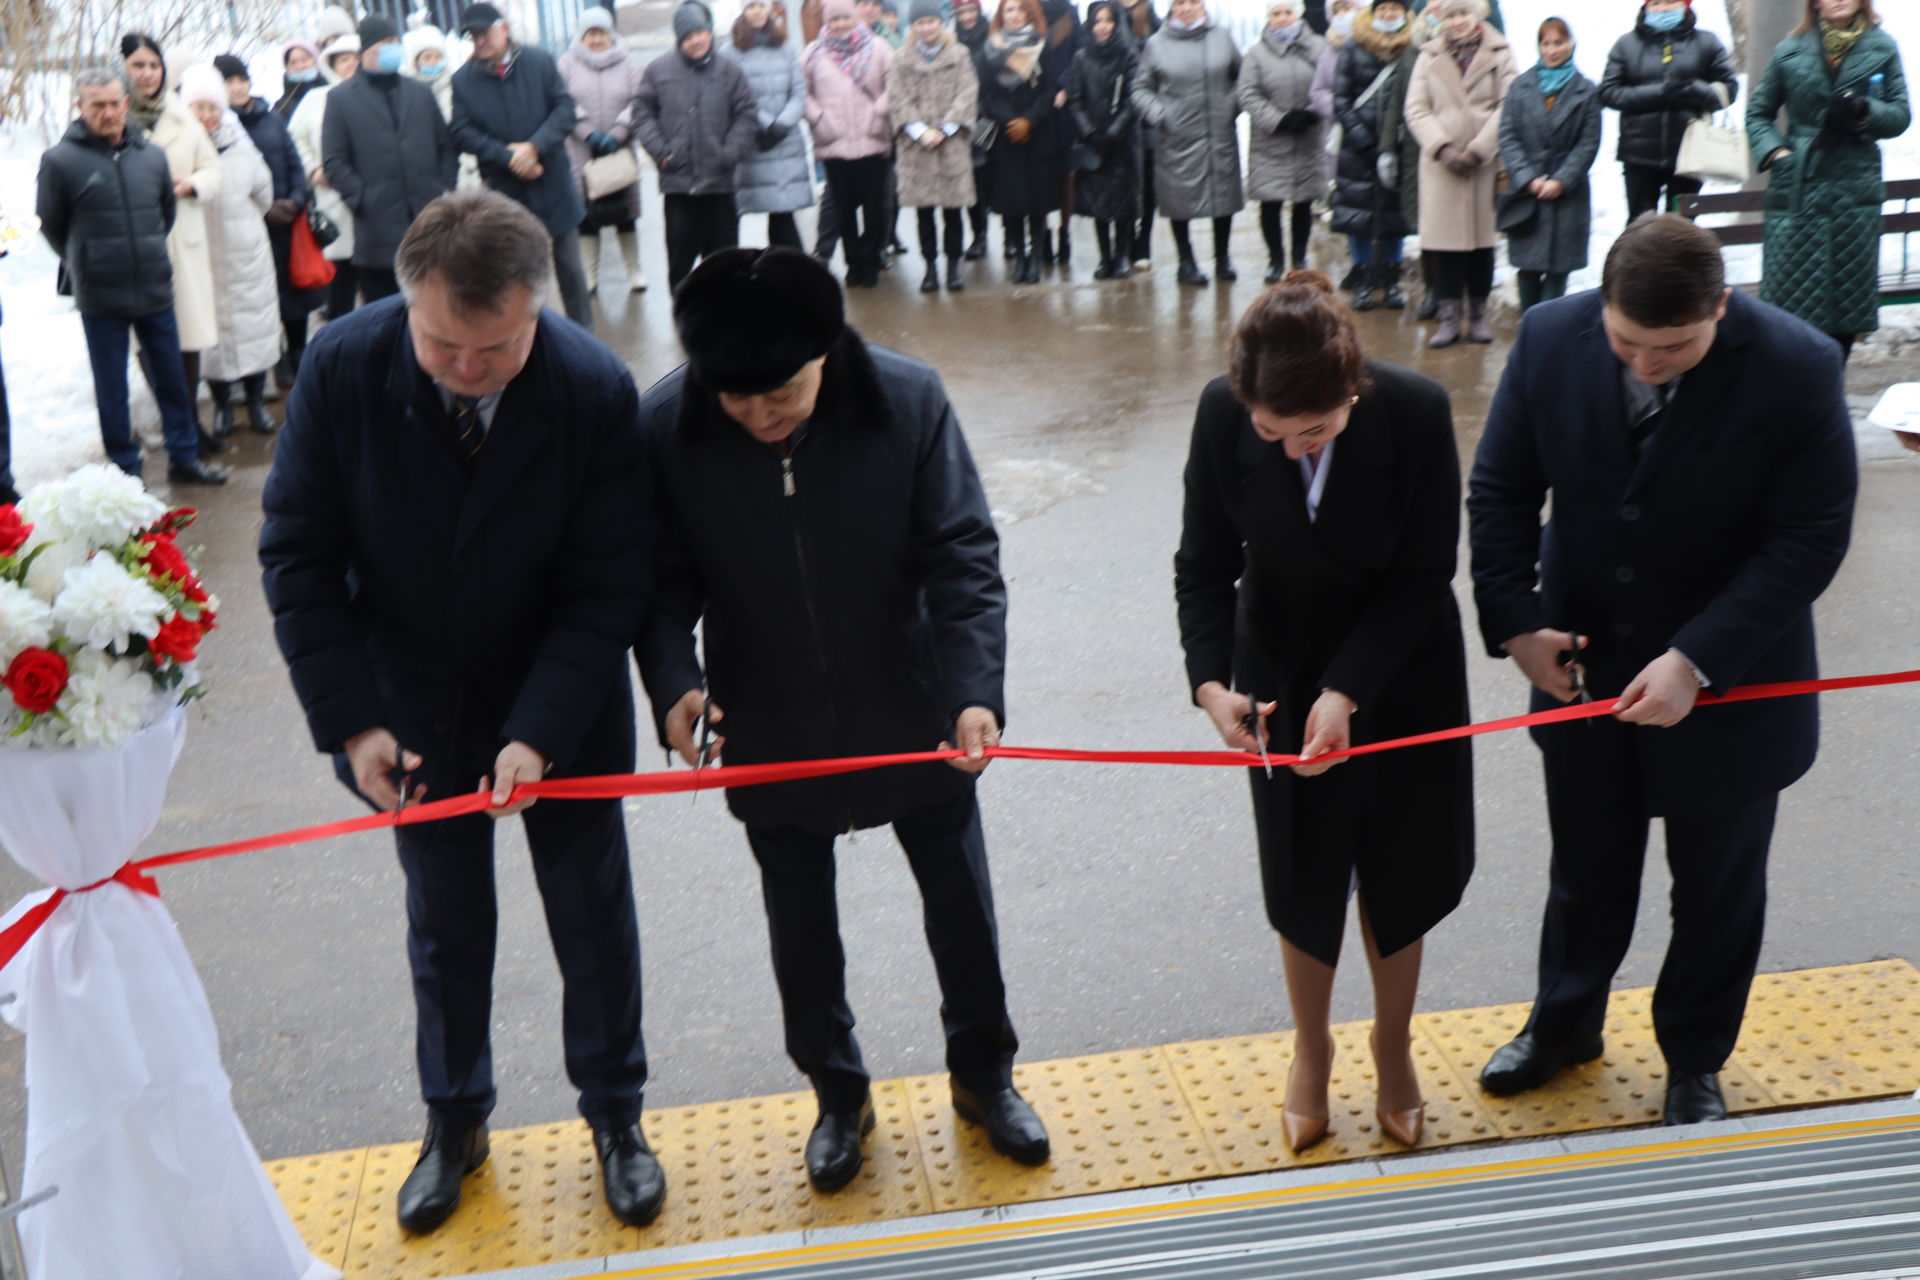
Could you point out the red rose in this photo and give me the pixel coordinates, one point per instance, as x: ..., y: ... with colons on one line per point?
x: 13, y: 530
x: 177, y: 519
x: 163, y: 558
x: 193, y: 591
x: 36, y: 678
x: 178, y: 641
x: 205, y: 620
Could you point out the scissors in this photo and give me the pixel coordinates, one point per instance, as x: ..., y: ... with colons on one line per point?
x: 705, y: 754
x: 1257, y: 727
x: 1577, y: 675
x: 405, y: 779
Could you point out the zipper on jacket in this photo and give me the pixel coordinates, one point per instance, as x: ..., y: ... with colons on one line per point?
x: 786, y: 478
x: 790, y: 489
x: 126, y: 204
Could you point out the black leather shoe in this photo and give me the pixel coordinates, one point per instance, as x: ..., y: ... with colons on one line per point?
x: 1190, y: 273
x: 1223, y: 271
x: 209, y: 444
x: 833, y: 1148
x: 195, y: 472
x: 976, y: 249
x: 451, y: 1150
x: 1012, y: 1126
x: 1693, y: 1097
x: 635, y: 1184
x: 222, y: 421
x: 956, y: 282
x: 930, y: 282
x: 1524, y: 1063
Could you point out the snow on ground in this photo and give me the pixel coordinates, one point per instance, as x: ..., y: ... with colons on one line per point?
x: 50, y: 387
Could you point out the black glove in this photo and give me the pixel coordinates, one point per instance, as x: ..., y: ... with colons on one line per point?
x: 1845, y: 110
x: 772, y: 136
x: 1298, y: 120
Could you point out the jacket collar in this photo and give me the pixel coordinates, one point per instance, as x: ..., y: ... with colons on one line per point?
x: 78, y: 133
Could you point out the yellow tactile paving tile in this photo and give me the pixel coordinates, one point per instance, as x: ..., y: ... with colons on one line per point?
x: 1124, y: 1119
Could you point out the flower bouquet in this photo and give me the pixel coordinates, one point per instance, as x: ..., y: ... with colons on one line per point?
x: 101, y: 613
x: 129, y: 1112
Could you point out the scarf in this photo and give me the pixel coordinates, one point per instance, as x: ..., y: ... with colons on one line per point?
x: 1183, y: 27
x: 1554, y: 79
x: 599, y: 60
x: 1017, y: 51
x: 852, y: 52
x: 1283, y: 38
x: 929, y: 52
x: 1838, y: 42
x: 1464, y: 51
x: 145, y: 111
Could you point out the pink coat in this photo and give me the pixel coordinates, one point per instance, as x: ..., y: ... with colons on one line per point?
x: 849, y: 120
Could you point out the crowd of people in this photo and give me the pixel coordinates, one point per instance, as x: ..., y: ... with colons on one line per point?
x: 1395, y: 118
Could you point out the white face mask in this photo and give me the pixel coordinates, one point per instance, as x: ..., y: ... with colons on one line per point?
x: 1388, y: 25
x: 1343, y: 24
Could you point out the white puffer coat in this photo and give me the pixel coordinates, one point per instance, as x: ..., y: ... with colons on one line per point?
x: 247, y: 299
x: 190, y: 155
x: 305, y: 127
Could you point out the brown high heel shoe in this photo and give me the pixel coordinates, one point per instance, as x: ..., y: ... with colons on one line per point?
x: 1300, y: 1130
x: 1403, y: 1126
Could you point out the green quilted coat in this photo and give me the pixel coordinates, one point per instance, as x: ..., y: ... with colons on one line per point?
x: 1822, y: 255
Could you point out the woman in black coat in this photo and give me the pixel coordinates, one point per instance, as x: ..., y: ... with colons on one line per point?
x: 1318, y: 589
x: 1019, y: 82
x: 1659, y: 76
x: 1100, y: 106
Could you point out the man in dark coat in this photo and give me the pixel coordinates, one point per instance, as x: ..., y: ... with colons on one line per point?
x: 456, y: 560
x: 824, y: 524
x: 290, y: 197
x: 1698, y: 454
x: 387, y: 152
x: 511, y: 109
x: 1659, y: 76
x: 106, y: 203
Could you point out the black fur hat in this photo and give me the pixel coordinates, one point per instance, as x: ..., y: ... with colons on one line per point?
x: 750, y: 318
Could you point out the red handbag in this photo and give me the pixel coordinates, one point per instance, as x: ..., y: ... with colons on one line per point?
x: 307, y: 267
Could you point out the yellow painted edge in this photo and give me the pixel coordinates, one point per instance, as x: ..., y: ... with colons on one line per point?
x: 920, y: 1241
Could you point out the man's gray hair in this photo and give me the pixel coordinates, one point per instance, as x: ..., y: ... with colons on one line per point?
x: 100, y: 74
x: 481, y: 245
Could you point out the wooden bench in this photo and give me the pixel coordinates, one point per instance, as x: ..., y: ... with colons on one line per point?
x: 1899, y: 286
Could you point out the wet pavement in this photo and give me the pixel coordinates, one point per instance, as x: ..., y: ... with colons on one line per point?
x: 1129, y: 902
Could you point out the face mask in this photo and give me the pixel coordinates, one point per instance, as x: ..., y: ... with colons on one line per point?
x: 1666, y: 20
x: 306, y: 75
x: 389, y: 58
x: 428, y: 73
x: 1386, y: 26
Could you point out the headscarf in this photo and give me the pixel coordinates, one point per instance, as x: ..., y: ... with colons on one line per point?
x: 1284, y: 38
x: 1116, y: 46
x: 851, y: 52
x: 1206, y: 20
x: 143, y: 110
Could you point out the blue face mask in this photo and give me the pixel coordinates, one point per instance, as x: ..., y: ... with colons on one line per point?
x: 389, y: 58
x: 306, y: 75
x: 1387, y: 25
x: 1666, y: 20
x: 432, y: 70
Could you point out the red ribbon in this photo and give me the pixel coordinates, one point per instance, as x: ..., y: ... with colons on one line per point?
x: 619, y: 785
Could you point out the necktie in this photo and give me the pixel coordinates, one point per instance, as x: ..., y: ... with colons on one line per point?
x: 468, y: 434
x: 1643, y: 429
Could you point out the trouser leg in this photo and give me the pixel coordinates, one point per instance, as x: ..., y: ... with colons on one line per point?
x: 580, y: 863
x: 1014, y: 230
x: 1223, y: 238
x: 1182, y: 238
x: 1479, y: 271
x: 719, y: 224
x: 843, y: 190
x: 680, y: 221
x: 929, y: 234
x: 1719, y: 866
x: 107, y: 354
x: 1643, y: 184
x: 1270, y: 231
x: 343, y: 290
x: 1553, y: 285
x: 950, y: 224
x: 1302, y: 231
x: 1447, y: 275
x: 1360, y: 249
x: 572, y: 277
x: 1529, y: 285
x: 809, y: 965
x: 948, y: 854
x: 1103, y: 236
x: 782, y: 230
x: 1593, y: 891
x: 827, y: 223
x: 159, y: 335
x: 452, y: 925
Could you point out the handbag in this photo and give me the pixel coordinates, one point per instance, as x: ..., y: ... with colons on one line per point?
x: 1715, y: 150
x: 322, y: 228
x: 307, y: 267
x: 615, y: 171
x: 1083, y: 157
x: 1515, y: 212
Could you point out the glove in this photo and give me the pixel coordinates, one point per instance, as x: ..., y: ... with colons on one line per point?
x: 601, y: 143
x: 772, y: 136
x: 1458, y: 159
x: 1846, y: 110
x: 1299, y: 120
x: 281, y: 213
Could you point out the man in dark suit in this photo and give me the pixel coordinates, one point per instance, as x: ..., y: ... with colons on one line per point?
x: 1698, y: 453
x: 456, y: 561
x: 823, y: 523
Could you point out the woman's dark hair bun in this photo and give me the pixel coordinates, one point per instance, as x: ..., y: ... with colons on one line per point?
x: 1307, y: 278
x: 1295, y: 350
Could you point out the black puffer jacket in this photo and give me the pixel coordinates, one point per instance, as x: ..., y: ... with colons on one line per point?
x: 106, y: 211
x: 1363, y: 204
x: 849, y: 595
x: 1660, y: 80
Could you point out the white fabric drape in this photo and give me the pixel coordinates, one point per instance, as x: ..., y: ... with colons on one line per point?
x: 128, y: 1107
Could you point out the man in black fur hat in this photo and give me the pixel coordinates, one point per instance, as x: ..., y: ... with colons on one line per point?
x: 822, y: 518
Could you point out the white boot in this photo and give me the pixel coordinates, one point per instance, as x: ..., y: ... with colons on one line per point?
x: 630, y: 254
x: 590, y: 259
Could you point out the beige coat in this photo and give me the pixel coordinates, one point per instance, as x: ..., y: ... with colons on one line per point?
x: 1443, y: 106
x: 944, y: 91
x: 190, y: 155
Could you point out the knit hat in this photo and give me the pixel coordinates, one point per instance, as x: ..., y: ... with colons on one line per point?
x: 330, y: 24
x: 376, y: 27
x: 598, y: 18
x: 229, y: 66
x: 201, y: 83
x: 924, y: 9
x: 749, y: 319
x: 689, y: 17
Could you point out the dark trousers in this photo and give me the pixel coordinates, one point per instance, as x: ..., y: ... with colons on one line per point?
x: 859, y: 190
x: 295, y: 304
x: 571, y: 276
x: 696, y: 226
x: 1649, y: 188
x: 1719, y: 864
x: 1455, y: 275
x: 1222, y: 237
x: 107, y: 346
x: 1143, y: 239
x: 1299, y: 228
x: 343, y: 290
x: 1537, y: 287
x: 930, y: 236
x: 948, y: 854
x: 783, y: 231
x: 579, y: 850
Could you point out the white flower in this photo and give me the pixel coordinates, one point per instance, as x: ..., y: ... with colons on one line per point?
x: 106, y: 701
x: 98, y: 504
x: 102, y: 606
x: 25, y: 621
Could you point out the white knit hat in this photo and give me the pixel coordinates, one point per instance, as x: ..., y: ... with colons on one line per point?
x: 201, y: 83
x: 598, y: 17
x: 331, y: 23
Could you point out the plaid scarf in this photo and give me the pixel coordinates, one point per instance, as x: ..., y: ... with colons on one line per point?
x: 1838, y: 42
